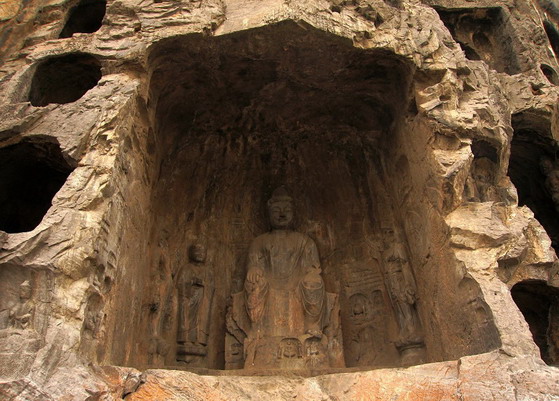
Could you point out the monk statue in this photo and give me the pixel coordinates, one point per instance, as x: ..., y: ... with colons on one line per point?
x: 195, y: 294
x: 284, y: 298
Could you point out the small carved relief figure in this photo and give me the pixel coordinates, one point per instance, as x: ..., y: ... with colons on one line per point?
x: 402, y: 292
x: 92, y: 322
x: 359, y: 306
x: 480, y: 186
x: 22, y: 313
x: 362, y: 342
x: 284, y: 295
x: 157, y: 350
x: 551, y: 172
x: 195, y: 294
x: 314, y: 352
x: 290, y: 348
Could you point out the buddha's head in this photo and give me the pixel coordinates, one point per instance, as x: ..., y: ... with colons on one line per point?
x: 25, y: 290
x: 280, y: 209
x: 197, y: 253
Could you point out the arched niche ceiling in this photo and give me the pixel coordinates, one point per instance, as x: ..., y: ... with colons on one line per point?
x: 64, y: 79
x: 539, y: 304
x: 531, y: 143
x: 283, y: 78
x: 86, y: 17
x: 31, y: 172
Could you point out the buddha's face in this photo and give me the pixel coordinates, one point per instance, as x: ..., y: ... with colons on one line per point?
x: 281, y: 214
x: 198, y: 253
x: 290, y: 349
x: 358, y: 307
x: 25, y: 291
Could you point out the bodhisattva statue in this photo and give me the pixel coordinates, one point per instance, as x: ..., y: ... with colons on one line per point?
x: 284, y: 302
x: 401, y: 286
x: 195, y: 294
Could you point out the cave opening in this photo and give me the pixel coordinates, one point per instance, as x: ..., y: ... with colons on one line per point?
x: 86, y: 17
x: 532, y: 169
x: 483, y: 34
x: 550, y: 74
x: 552, y: 35
x: 64, y: 79
x: 539, y: 305
x: 31, y: 173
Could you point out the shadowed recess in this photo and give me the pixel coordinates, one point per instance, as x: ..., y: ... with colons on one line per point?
x: 532, y: 169
x: 552, y: 35
x: 550, y: 74
x: 538, y: 302
x: 31, y: 173
x: 86, y: 17
x: 64, y: 79
x: 483, y: 34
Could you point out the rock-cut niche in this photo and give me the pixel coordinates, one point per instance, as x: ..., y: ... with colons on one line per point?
x: 483, y: 34
x: 86, y: 17
x: 64, y: 79
x: 539, y: 303
x: 31, y: 173
x: 534, y: 170
x: 295, y: 123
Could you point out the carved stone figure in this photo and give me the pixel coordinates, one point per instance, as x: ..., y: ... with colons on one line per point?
x: 284, y: 295
x: 157, y: 350
x: 359, y: 343
x: 195, y: 294
x: 480, y: 185
x: 22, y: 313
x: 401, y: 286
x: 359, y: 308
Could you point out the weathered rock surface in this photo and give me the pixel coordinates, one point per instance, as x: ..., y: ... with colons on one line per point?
x: 413, y: 135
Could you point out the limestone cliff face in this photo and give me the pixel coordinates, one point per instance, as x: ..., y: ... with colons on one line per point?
x: 132, y: 129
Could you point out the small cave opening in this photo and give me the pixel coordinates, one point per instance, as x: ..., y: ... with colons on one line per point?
x: 64, y: 79
x: 86, y: 17
x: 550, y: 74
x: 534, y: 170
x: 483, y: 34
x: 539, y: 305
x: 31, y: 173
x: 552, y: 35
